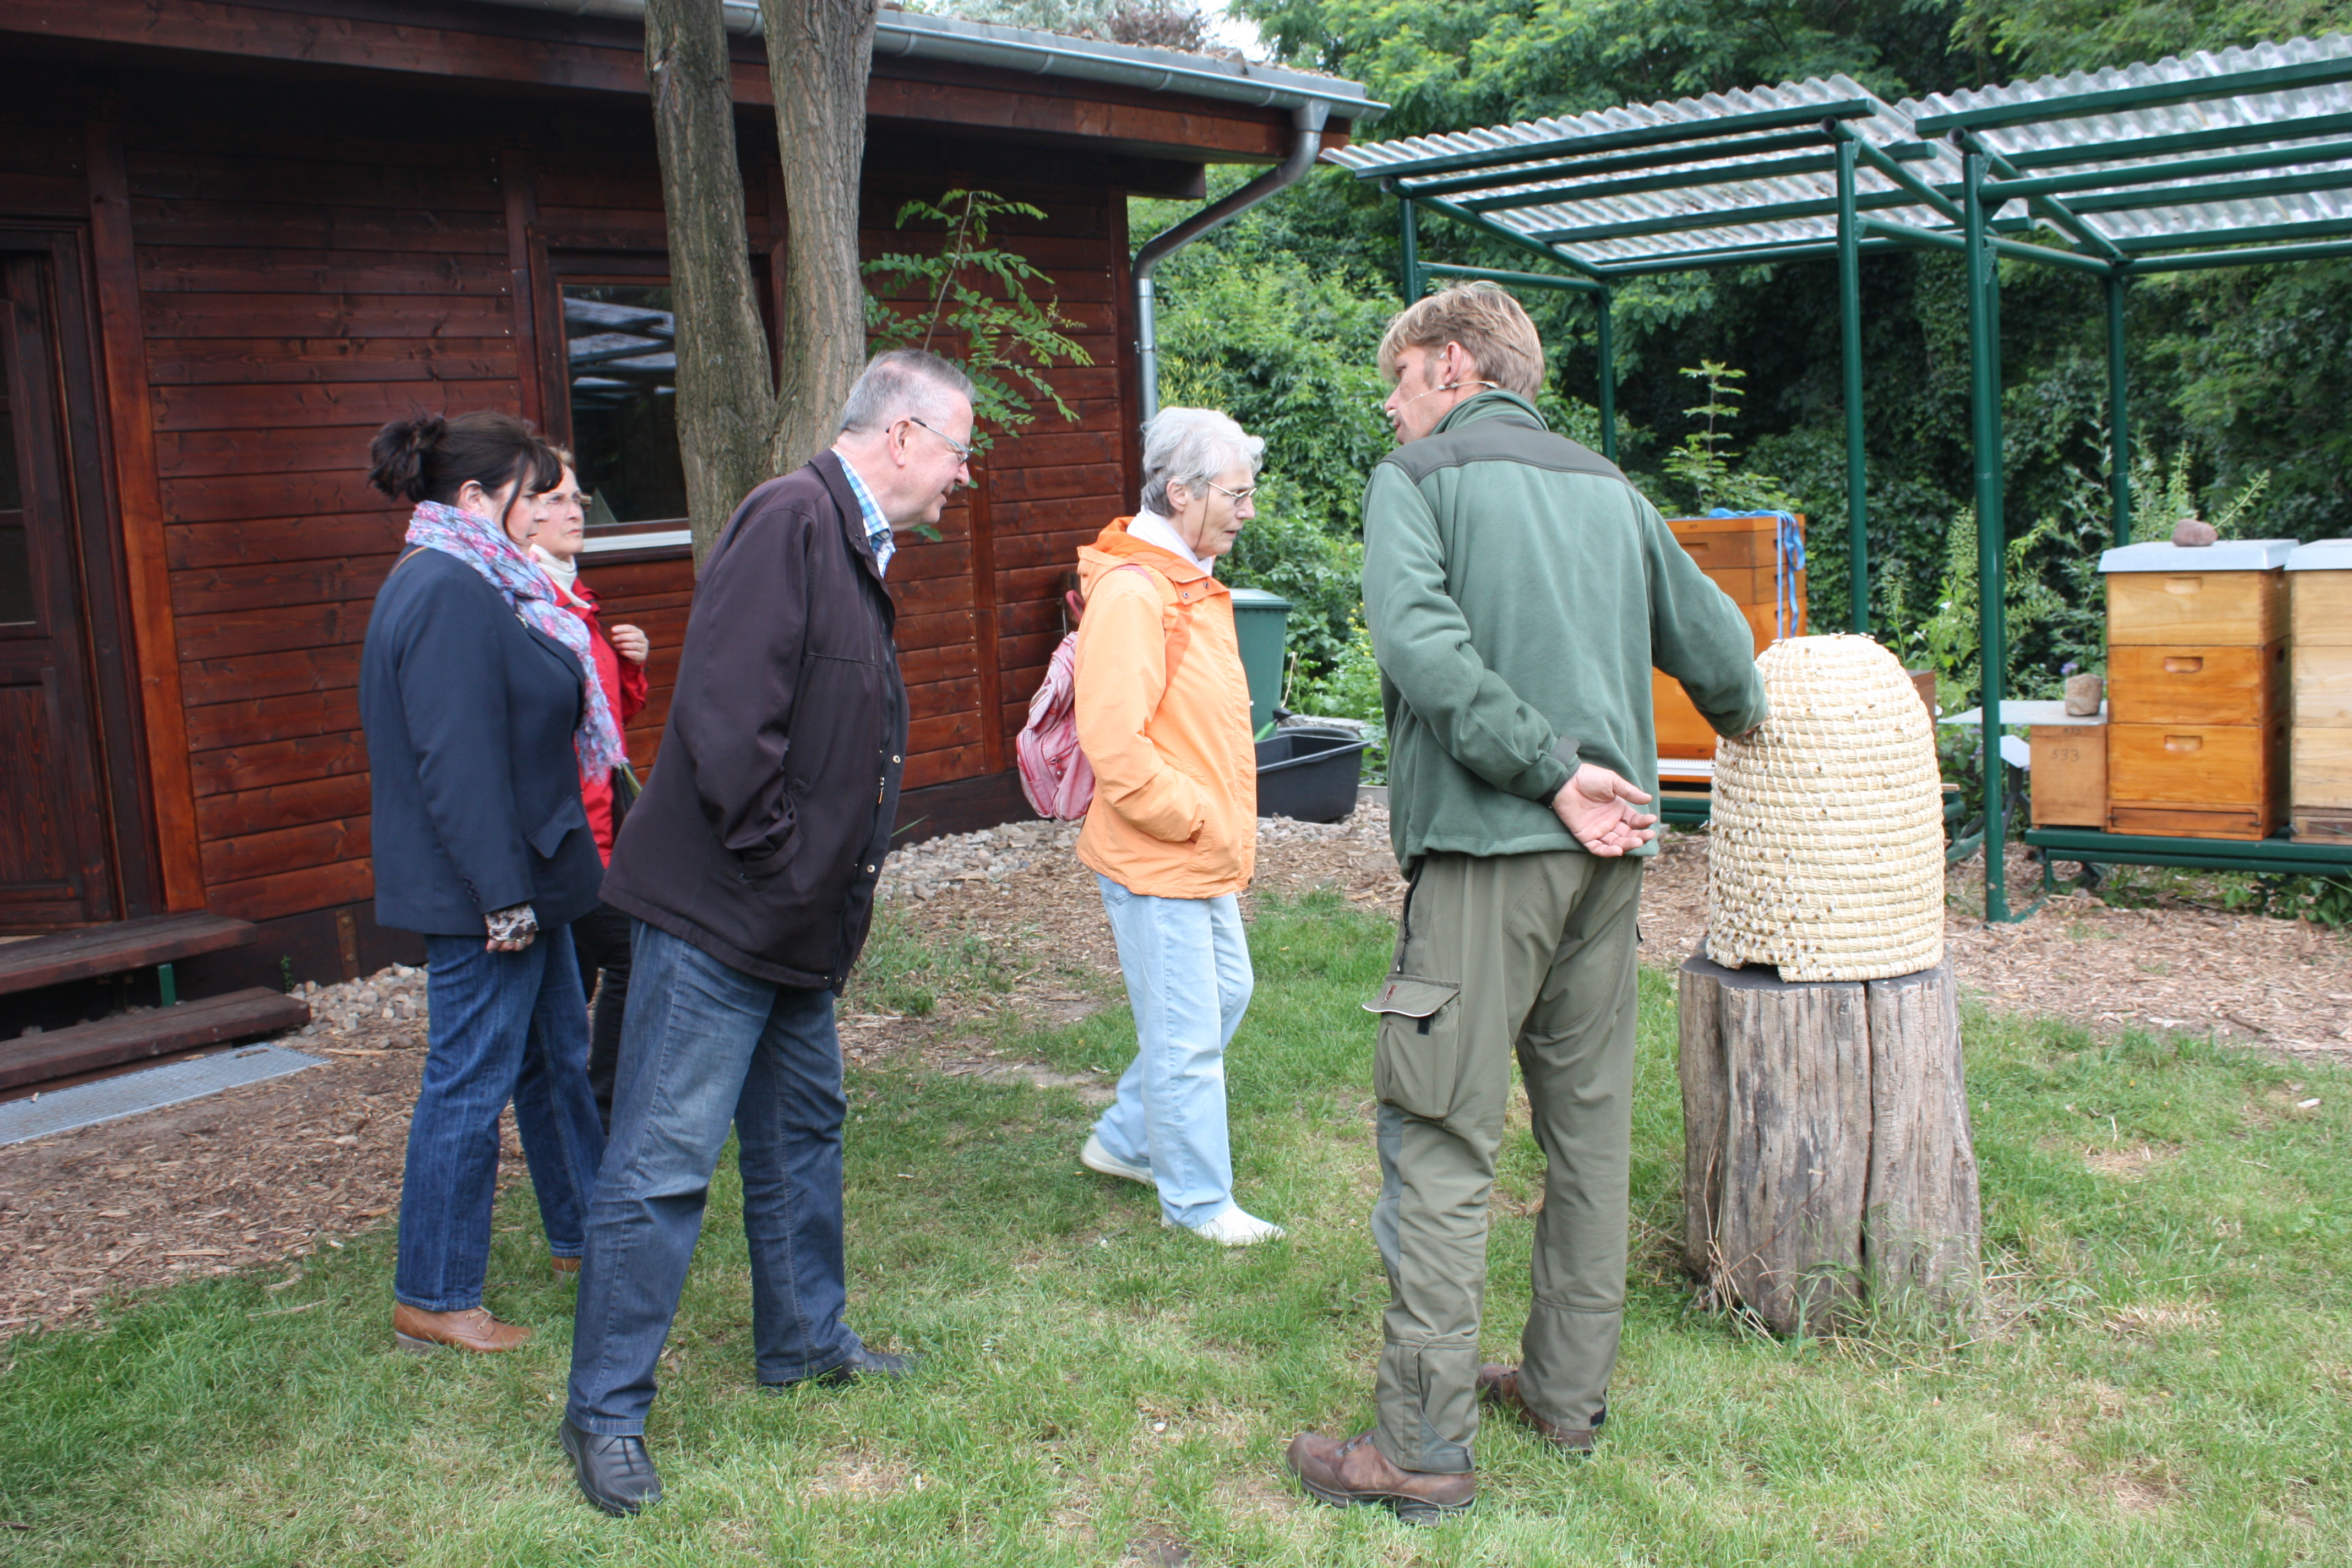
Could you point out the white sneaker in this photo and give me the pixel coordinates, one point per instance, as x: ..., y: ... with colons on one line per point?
x: 1097, y: 1158
x: 1234, y: 1227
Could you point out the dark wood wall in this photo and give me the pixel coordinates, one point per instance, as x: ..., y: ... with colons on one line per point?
x: 309, y: 266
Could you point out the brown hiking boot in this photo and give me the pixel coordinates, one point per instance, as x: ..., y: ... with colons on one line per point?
x: 1345, y: 1474
x: 1501, y: 1386
x: 471, y: 1329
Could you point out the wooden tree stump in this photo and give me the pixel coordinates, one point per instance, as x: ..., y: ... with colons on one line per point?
x: 1827, y: 1157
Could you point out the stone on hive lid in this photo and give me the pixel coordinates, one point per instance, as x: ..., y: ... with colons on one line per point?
x: 1825, y: 852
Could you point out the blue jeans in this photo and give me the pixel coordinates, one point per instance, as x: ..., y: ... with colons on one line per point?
x: 1187, y: 965
x: 504, y: 1025
x: 705, y: 1045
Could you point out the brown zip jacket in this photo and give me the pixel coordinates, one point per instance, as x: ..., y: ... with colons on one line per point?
x: 760, y: 833
x: 1175, y: 807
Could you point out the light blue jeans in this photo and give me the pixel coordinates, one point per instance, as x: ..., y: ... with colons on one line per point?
x: 1187, y: 965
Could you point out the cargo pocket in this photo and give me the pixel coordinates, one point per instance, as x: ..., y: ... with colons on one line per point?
x: 1419, y: 1056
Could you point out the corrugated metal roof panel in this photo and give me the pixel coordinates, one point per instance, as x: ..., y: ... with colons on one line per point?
x: 1659, y: 219
x: 2285, y: 107
x: 1373, y: 156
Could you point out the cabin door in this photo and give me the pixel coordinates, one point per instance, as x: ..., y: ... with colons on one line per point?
x: 54, y: 866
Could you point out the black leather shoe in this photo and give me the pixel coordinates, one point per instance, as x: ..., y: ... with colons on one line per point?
x: 616, y: 1474
x: 862, y: 1363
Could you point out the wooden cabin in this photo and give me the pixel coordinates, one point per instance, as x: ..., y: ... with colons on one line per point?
x: 236, y: 236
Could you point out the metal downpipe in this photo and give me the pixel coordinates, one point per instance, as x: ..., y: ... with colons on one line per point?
x: 1308, y: 117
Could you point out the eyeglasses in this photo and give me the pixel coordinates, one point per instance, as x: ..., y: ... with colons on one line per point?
x: 1237, y: 495
x: 963, y: 449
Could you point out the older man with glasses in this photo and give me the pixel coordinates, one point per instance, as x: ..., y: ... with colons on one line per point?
x: 748, y: 866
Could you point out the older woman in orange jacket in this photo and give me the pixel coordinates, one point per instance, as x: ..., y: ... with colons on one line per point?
x: 1163, y: 715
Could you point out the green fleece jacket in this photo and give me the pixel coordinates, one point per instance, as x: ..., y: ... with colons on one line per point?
x: 1517, y: 591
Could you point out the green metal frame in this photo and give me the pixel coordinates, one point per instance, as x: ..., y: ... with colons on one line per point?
x: 2056, y: 190
x: 2280, y: 856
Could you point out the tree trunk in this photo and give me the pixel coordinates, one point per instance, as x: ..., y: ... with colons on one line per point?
x: 727, y: 408
x: 819, y: 55
x: 1827, y: 1162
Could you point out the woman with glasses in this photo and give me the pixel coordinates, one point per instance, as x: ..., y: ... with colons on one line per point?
x: 600, y: 939
x: 1163, y: 715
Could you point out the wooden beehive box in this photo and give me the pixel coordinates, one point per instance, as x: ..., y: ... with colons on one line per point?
x: 2069, y: 772
x: 2319, y: 592
x: 1740, y: 555
x: 2197, y: 688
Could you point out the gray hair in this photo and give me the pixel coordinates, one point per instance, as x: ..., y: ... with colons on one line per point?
x: 1190, y: 447
x: 902, y: 384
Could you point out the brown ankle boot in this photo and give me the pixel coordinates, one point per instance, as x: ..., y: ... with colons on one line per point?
x: 471, y: 1329
x: 1346, y: 1473
x: 1501, y: 1386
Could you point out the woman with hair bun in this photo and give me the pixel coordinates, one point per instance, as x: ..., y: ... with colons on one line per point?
x: 482, y: 706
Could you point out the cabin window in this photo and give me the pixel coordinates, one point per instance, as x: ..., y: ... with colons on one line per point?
x: 620, y: 357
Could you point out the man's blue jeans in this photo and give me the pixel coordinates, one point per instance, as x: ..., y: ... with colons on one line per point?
x: 705, y: 1045
x: 1187, y: 965
x: 504, y: 1025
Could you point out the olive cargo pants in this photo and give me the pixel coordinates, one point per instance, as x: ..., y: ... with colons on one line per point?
x: 1534, y: 953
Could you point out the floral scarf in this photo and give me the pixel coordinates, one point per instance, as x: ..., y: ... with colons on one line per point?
x: 483, y: 545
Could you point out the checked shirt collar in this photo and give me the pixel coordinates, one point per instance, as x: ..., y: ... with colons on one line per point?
x: 877, y: 527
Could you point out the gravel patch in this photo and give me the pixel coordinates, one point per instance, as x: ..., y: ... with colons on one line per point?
x: 959, y: 861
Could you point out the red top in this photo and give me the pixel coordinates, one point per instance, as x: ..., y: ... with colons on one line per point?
x: 625, y: 688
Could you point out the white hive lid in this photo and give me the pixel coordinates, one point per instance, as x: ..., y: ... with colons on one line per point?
x: 2322, y: 556
x: 2227, y: 555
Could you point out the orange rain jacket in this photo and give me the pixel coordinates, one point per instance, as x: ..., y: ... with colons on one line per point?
x: 1175, y: 807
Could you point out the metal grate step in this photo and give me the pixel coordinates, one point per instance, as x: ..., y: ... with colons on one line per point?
x: 174, y: 1083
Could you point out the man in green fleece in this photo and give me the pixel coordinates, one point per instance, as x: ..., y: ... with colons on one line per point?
x: 1517, y: 591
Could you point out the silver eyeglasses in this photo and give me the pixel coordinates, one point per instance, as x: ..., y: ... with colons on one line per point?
x: 960, y: 448
x: 1237, y: 495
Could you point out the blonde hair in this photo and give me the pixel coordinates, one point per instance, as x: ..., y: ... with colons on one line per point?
x: 1485, y: 320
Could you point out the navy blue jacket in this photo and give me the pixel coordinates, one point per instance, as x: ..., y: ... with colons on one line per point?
x: 469, y: 715
x: 763, y: 827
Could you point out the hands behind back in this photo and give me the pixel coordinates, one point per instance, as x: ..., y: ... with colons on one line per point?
x: 1597, y: 806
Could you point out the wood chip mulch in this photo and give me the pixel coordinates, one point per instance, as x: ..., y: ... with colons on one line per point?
x: 262, y: 1174
x: 267, y: 1174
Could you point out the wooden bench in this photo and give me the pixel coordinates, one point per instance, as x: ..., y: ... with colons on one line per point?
x: 156, y: 943
x: 135, y: 1037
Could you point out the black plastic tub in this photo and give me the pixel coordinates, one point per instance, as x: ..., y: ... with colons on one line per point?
x: 1309, y: 775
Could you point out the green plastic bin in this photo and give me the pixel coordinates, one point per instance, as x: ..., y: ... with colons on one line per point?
x: 1261, y: 622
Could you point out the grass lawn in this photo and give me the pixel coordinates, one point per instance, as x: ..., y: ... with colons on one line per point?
x: 2167, y: 1381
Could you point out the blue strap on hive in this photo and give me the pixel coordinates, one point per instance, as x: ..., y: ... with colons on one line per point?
x: 1788, y: 560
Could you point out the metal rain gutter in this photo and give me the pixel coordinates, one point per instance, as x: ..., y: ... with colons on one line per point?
x: 903, y: 34
x: 1308, y: 117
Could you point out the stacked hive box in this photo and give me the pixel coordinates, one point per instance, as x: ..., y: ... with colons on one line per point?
x: 2069, y: 770
x: 2196, y: 691
x: 1742, y: 556
x: 2319, y: 585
